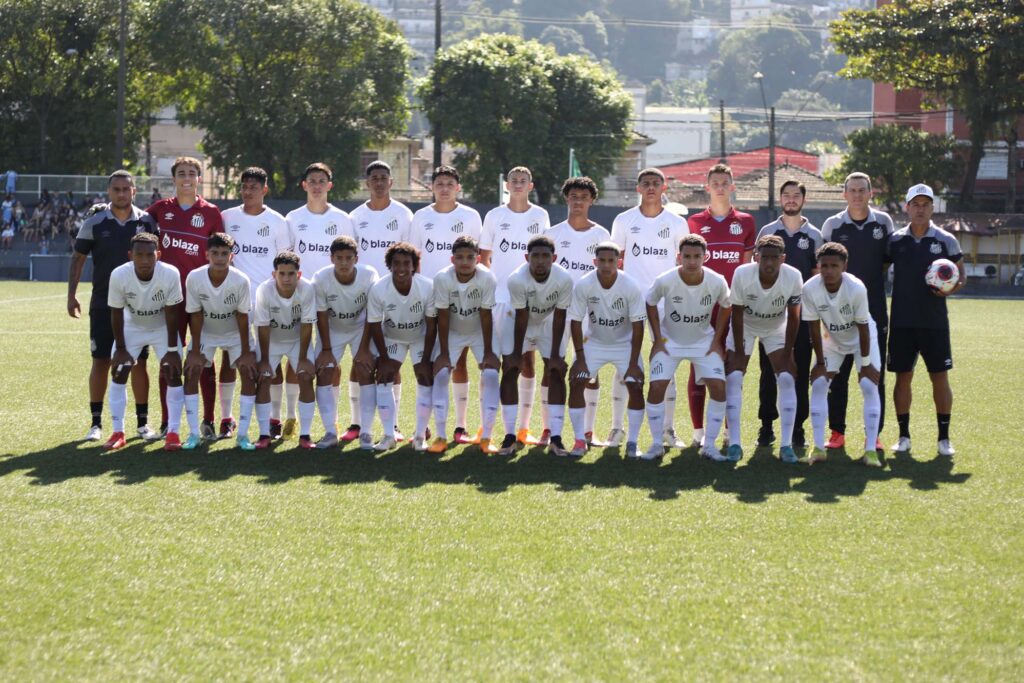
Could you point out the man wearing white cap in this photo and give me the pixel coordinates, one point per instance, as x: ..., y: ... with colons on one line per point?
x: 919, y: 321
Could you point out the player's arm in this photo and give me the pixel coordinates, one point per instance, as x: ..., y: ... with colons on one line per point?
x: 194, y: 362
x: 246, y: 362
x: 424, y: 370
x: 867, y: 371
x: 819, y: 369
x: 485, y: 258
x: 635, y: 373
x: 74, y: 277
x: 486, y: 329
x: 555, y: 360
x: 121, y: 359
x: 325, y: 359
x: 263, y: 339
x: 579, y: 366
x: 737, y: 359
x: 442, y: 361
x: 657, y: 340
x: 721, y: 329
x: 170, y: 364
x: 305, y: 366
x: 519, y: 325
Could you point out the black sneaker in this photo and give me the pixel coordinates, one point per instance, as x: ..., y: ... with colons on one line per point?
x: 275, y: 429
x: 508, y: 445
x: 208, y: 431
x: 555, y: 447
x: 227, y: 428
x: 765, y: 436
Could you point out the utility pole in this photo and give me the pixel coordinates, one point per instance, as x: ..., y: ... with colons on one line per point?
x: 721, y: 131
x: 437, y: 48
x: 771, y: 161
x: 121, y: 67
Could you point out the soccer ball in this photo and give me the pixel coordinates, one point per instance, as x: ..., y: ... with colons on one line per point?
x: 942, y: 275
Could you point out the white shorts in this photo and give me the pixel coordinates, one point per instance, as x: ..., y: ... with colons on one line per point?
x: 708, y: 366
x: 398, y: 350
x: 599, y: 356
x: 537, y: 338
x: 772, y: 342
x: 289, y: 349
x: 473, y: 342
x: 208, y: 347
x: 341, y: 341
x: 136, y: 340
x: 835, y: 355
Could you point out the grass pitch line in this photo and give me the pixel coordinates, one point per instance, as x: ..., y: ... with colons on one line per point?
x: 32, y: 298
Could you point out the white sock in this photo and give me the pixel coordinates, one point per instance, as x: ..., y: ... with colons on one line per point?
x: 367, y: 407
x: 460, y: 391
x: 713, y: 422
x: 306, y: 412
x: 245, y: 406
x: 175, y: 404
x: 619, y: 398
x: 592, y: 397
x: 424, y: 401
x: 118, y: 399
x: 734, y: 405
x: 670, y: 405
x: 656, y: 421
x: 636, y: 421
x: 386, y: 408
x: 557, y: 419
x: 263, y: 412
x: 439, y: 399
x: 355, y: 402
x: 490, y: 397
x: 396, y: 389
x: 787, y: 407
x: 227, y: 398
x: 192, y: 413
x: 276, y: 394
x: 819, y: 410
x: 508, y: 416
x: 872, y: 412
x: 291, y: 395
x: 545, y: 413
x: 577, y: 417
x: 328, y: 408
x: 527, y: 388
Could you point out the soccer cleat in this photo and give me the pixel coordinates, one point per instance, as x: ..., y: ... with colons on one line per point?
x: 115, y: 441
x: 399, y: 436
x: 787, y: 455
x: 485, y: 447
x: 712, y: 453
x: 438, y: 445
x: 592, y: 442
x: 329, y: 440
x: 765, y: 435
x: 734, y: 453
x: 94, y: 433
x: 836, y: 440
x: 946, y: 448
x: 207, y: 432
x: 556, y: 447
x: 351, y: 434
x: 147, y: 434
x: 902, y: 445
x: 172, y: 442
x: 525, y: 438
x: 264, y: 442
x: 191, y: 443
x: 463, y: 438
x: 669, y: 439
x: 815, y: 455
x: 698, y: 437
x: 631, y: 453
x: 545, y: 438
x: 509, y: 444
x: 275, y: 429
x: 306, y: 443
x: 419, y: 444
x: 288, y: 431
x: 615, y: 438
x: 228, y: 426
x: 879, y: 446
x: 366, y: 441
x: 871, y: 458
x: 163, y: 430
x: 655, y: 452
x: 579, y: 449
x: 244, y: 444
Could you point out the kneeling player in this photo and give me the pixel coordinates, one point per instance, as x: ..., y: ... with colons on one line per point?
x: 613, y: 304
x: 690, y: 293
x: 284, y: 316
x: 765, y: 304
x: 540, y: 292
x: 150, y: 291
x: 218, y: 305
x: 839, y: 301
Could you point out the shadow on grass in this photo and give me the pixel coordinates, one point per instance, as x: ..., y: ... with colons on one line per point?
x: 751, y: 481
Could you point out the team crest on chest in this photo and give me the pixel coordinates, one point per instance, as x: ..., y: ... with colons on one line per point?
x: 778, y: 301
x: 935, y: 248
x: 845, y: 310
x: 803, y: 243
x: 663, y: 233
x: 331, y: 229
x: 534, y: 228
x: 705, y: 300
x: 198, y: 221
x: 231, y: 299
x: 878, y: 233
x: 618, y: 304
x: 264, y: 230
x: 735, y: 228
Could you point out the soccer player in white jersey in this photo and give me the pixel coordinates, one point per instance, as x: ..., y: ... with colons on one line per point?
x: 284, y: 316
x: 683, y: 332
x: 401, y: 321
x: 575, y: 240
x: 217, y: 301
x: 464, y: 299
x: 838, y: 302
x: 765, y: 300
x: 260, y: 234
x: 143, y: 297
x: 434, y: 229
x: 611, y: 301
x: 540, y: 292
x: 342, y: 290
x: 311, y: 229
x: 507, y: 230
x: 648, y: 236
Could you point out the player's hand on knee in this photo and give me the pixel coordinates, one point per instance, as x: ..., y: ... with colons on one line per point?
x: 579, y: 371
x: 490, y: 362
x: 305, y: 367
x: 442, y: 362
x: 555, y: 366
x: 819, y: 370
x: 657, y: 347
x: 634, y: 375
x: 325, y: 361
x: 735, y: 362
x: 121, y: 364
x: 364, y: 362
x: 246, y: 365
x: 424, y: 371
x: 870, y: 372
x: 264, y: 373
x: 170, y: 365
x: 717, y: 348
x: 512, y: 362
x: 194, y: 363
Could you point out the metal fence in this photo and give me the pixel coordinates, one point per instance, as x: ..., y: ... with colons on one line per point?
x: 84, y: 185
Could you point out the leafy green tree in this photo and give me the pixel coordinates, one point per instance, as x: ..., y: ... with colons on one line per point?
x: 640, y: 51
x: 480, y: 18
x: 780, y: 52
x: 566, y: 41
x: 283, y: 84
x: 511, y: 102
x: 897, y: 157
x: 968, y: 54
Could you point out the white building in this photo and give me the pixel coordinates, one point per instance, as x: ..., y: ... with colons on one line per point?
x: 743, y: 12
x: 679, y: 133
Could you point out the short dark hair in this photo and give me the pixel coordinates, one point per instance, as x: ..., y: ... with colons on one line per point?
x: 402, y: 248
x: 832, y: 249
x: 465, y: 242
x: 542, y: 242
x: 220, y: 239
x: 375, y: 165
x: 607, y: 245
x: 344, y: 243
x: 143, y: 238
x: 793, y: 181
x: 719, y: 168
x: 285, y: 258
x: 693, y: 240
x: 121, y: 174
x: 581, y: 182
x: 770, y: 242
x: 650, y: 171
x: 443, y: 170
x: 318, y: 166
x: 254, y: 173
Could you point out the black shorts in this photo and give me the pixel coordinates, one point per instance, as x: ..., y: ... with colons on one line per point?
x: 101, y: 336
x: 905, y: 343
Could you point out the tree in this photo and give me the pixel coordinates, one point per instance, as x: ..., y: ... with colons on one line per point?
x: 780, y: 52
x: 898, y: 157
x: 283, y: 84
x: 478, y: 19
x: 509, y: 102
x: 968, y: 54
x: 566, y: 41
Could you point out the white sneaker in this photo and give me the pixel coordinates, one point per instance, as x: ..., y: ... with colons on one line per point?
x: 386, y: 443
x: 669, y: 439
x: 712, y: 453
x: 147, y: 434
x: 615, y: 438
x: 698, y: 437
x: 365, y: 441
x: 94, y: 434
x: 655, y: 452
x: 946, y: 448
x: 419, y: 444
x: 902, y: 446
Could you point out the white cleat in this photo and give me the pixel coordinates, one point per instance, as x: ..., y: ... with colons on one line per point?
x: 386, y: 443
x: 365, y: 441
x: 655, y: 452
x: 615, y: 438
x: 329, y: 440
x: 669, y: 439
x: 147, y: 434
x: 902, y: 446
x: 698, y: 438
x: 712, y: 453
x: 946, y: 448
x: 94, y: 434
x: 419, y: 444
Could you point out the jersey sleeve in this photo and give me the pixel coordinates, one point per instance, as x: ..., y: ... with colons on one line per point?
x: 430, y: 306
x: 861, y: 312
x: 115, y: 291
x: 261, y: 311
x: 488, y: 292
x: 348, y: 227
x: 244, y: 297
x: 736, y: 293
x: 487, y: 232
x: 826, y: 229
x: 439, y: 292
x: 290, y: 226
x: 320, y: 292
x: 578, y: 307
x: 795, y: 291
x: 654, y: 293
x: 192, y: 302
x: 84, y: 240
x: 952, y: 246
x: 516, y: 293
x: 282, y: 237
x: 619, y: 232
x: 749, y: 233
x: 474, y: 226
x: 374, y: 306
x: 308, y: 304
x: 416, y: 231
x: 637, y: 309
x: 565, y: 295
x: 723, y: 294
x: 807, y: 310
x: 175, y: 295
x: 216, y: 220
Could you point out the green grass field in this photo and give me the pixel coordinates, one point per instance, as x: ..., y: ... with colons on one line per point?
x: 294, y: 565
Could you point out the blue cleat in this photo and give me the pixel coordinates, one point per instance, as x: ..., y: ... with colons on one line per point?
x: 244, y: 444
x: 192, y: 442
x: 735, y: 453
x: 787, y: 455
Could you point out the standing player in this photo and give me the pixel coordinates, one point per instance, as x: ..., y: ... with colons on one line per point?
x: 260, y: 234
x: 837, y: 301
x: 506, y: 232
x: 801, y: 240
x: 648, y: 236
x: 613, y: 304
x: 217, y: 301
x: 920, y: 322
x: 401, y: 320
x: 143, y: 296
x: 342, y: 290
x: 689, y: 295
x: 185, y: 222
x: 540, y: 292
x: 106, y: 235
x: 765, y: 299
x: 433, y: 231
x: 464, y: 298
x: 576, y: 240
x: 730, y: 237
x: 864, y: 232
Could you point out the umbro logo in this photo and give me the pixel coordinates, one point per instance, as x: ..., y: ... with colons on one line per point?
x: 593, y: 300
x: 705, y: 229
x: 565, y: 244
x: 168, y: 216
x: 391, y: 307
x: 505, y: 226
x: 302, y: 227
x: 428, y: 226
x: 363, y: 224
x: 677, y: 299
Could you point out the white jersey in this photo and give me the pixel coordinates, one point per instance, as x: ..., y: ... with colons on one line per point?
x: 575, y: 248
x: 311, y: 235
x: 506, y: 234
x: 434, y: 233
x: 611, y: 311
x: 258, y: 240
x: 463, y: 300
x: 541, y: 298
x: 401, y: 317
x: 345, y: 304
x: 284, y: 317
x: 649, y: 245
x: 375, y: 231
x: 764, y: 310
x: 144, y: 302
x: 218, y: 304
x: 840, y: 313
x: 686, y: 321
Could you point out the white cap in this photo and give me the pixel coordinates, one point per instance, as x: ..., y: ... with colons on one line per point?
x: 920, y: 190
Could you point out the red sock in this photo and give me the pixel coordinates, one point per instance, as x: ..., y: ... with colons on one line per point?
x: 208, y: 388
x: 696, y: 393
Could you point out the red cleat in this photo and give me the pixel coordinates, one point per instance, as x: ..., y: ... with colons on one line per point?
x: 115, y: 441
x: 462, y: 437
x: 275, y: 429
x: 545, y: 438
x: 836, y: 440
x: 172, y: 442
x: 306, y: 442
x: 263, y: 442
x: 351, y: 434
